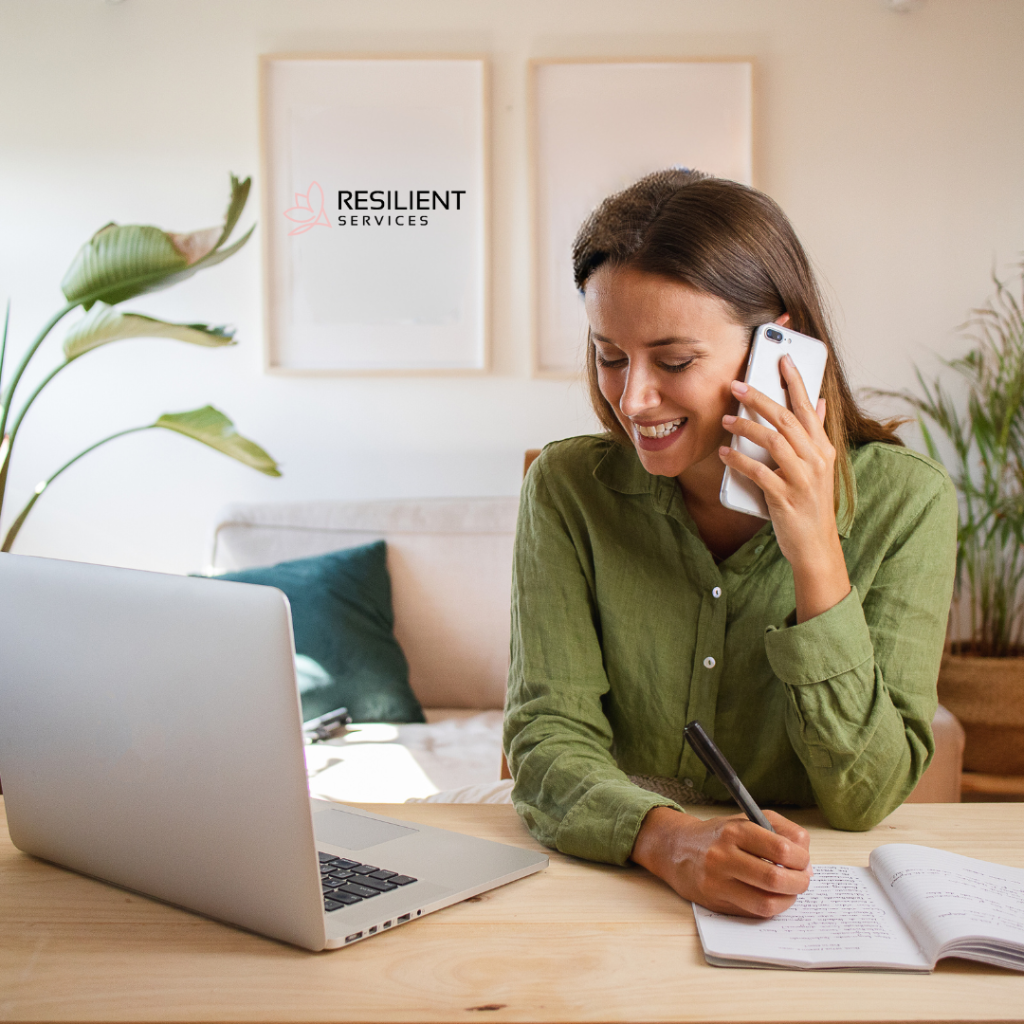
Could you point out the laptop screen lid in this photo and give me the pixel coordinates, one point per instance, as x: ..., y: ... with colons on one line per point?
x: 150, y: 735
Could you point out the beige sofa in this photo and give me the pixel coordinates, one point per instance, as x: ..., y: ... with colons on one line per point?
x: 450, y: 561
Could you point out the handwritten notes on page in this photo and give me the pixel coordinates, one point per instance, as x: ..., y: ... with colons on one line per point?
x: 844, y: 920
x: 911, y: 907
x: 955, y: 905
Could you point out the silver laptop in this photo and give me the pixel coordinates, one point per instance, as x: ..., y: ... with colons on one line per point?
x: 151, y: 736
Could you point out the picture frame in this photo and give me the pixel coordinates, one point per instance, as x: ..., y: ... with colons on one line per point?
x: 600, y: 125
x: 375, y: 214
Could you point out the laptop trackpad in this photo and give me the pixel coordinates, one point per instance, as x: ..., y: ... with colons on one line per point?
x: 353, y: 831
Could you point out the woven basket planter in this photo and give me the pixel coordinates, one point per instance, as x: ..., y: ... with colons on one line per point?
x: 987, y: 695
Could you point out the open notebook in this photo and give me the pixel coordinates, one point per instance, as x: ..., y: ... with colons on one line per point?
x: 909, y: 909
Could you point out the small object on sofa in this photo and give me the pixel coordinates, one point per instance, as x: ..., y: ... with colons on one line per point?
x: 323, y: 728
x: 344, y: 633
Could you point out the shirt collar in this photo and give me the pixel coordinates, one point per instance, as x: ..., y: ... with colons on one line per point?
x: 620, y: 470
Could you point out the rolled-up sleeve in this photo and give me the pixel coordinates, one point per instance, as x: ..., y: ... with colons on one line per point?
x: 568, y: 789
x: 860, y: 678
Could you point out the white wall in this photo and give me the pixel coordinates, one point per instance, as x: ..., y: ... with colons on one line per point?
x: 893, y: 140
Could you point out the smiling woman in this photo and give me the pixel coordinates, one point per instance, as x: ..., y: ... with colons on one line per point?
x: 808, y: 646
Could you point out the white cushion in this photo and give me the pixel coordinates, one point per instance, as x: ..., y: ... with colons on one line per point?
x: 383, y: 763
x: 499, y: 792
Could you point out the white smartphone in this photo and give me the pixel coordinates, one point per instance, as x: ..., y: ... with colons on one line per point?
x: 771, y: 343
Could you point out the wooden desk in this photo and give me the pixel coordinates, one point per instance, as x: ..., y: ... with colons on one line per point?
x: 578, y: 942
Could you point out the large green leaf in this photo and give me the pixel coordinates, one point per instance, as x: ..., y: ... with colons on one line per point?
x: 239, y: 196
x: 122, y: 261
x: 213, y: 428
x: 105, y: 324
x: 211, y: 259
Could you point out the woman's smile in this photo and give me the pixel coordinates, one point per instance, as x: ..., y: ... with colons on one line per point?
x: 653, y: 437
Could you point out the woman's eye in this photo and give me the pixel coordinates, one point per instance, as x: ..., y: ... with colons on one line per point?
x: 616, y: 364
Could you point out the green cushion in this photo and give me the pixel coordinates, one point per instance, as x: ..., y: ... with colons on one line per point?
x: 344, y: 634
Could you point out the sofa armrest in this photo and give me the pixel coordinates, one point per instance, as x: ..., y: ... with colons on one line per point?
x: 941, y: 781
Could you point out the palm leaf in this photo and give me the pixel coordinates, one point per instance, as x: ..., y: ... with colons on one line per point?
x: 122, y: 261
x: 210, y: 260
x: 119, y: 262
x: 105, y: 324
x: 929, y: 441
x: 213, y: 428
x: 239, y: 196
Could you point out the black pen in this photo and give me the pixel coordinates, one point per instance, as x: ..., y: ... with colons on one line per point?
x: 715, y: 762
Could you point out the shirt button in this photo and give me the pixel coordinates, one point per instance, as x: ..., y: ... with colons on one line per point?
x: 688, y: 782
x: 709, y: 662
x: 758, y: 549
x: 716, y: 592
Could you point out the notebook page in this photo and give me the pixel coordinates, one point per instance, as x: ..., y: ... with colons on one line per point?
x: 843, y: 920
x: 955, y: 903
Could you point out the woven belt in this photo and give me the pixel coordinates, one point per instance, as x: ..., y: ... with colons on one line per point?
x: 674, y: 789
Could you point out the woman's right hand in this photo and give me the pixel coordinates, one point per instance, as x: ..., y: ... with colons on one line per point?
x: 729, y: 865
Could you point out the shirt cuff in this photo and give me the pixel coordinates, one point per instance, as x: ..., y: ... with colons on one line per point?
x: 603, y: 825
x: 834, y: 642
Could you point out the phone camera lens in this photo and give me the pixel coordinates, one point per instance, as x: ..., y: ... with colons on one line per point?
x: 774, y: 335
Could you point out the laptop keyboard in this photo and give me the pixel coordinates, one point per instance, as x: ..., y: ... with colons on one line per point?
x: 346, y: 882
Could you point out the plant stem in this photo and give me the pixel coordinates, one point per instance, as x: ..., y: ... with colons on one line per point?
x: 7, y: 396
x: 3, y: 347
x: 31, y: 398
x: 4, y: 443
x: 23, y: 515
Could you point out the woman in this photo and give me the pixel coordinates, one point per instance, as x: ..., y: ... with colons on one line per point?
x: 808, y: 646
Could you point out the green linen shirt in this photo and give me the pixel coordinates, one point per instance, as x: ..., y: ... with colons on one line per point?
x: 624, y: 628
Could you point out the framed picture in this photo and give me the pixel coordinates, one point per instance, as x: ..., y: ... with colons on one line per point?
x: 598, y: 127
x: 375, y: 214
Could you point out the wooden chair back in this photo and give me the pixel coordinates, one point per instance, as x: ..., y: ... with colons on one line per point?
x: 531, y: 454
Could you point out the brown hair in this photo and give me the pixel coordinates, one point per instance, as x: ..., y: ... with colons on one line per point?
x: 734, y: 242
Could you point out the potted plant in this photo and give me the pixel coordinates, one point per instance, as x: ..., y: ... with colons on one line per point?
x: 120, y: 262
x: 982, y: 675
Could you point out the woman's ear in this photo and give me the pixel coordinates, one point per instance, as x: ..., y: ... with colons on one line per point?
x: 782, y: 320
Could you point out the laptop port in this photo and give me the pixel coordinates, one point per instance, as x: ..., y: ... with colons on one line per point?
x: 353, y: 936
x: 386, y: 924
x: 373, y: 929
x: 403, y: 918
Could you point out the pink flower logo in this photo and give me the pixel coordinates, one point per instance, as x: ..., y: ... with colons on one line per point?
x: 308, y: 211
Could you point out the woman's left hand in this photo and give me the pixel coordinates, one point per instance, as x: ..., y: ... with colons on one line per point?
x: 800, y: 493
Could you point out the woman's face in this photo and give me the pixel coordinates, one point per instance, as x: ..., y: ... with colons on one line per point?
x: 666, y: 355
